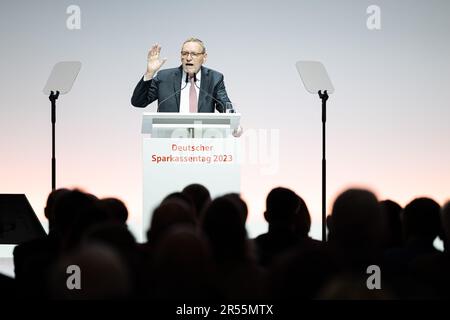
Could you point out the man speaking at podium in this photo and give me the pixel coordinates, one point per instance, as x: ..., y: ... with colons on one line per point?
x: 189, y: 88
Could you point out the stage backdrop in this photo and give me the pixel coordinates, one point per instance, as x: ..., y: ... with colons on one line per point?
x: 388, y: 126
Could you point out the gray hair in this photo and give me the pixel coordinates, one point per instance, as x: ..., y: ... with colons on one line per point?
x: 200, y: 42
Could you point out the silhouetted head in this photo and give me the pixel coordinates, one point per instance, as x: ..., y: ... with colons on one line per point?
x: 181, y: 197
x: 356, y: 221
x: 181, y: 266
x: 199, y: 195
x: 74, y: 212
x: 97, y: 270
x: 116, y: 236
x: 422, y: 220
x: 392, y: 212
x: 111, y: 233
x: 242, y: 206
x: 49, y: 207
x: 115, y: 209
x: 172, y: 212
x: 222, y: 225
x: 446, y: 224
x: 302, y: 219
x: 281, y: 207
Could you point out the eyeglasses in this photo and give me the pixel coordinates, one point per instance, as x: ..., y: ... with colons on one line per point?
x: 193, y: 54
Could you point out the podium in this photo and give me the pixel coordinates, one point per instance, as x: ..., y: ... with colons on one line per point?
x: 181, y: 149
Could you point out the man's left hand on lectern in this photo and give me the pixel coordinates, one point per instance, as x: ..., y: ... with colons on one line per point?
x: 237, y: 132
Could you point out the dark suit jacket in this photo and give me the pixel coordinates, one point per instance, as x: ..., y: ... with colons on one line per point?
x: 166, y: 85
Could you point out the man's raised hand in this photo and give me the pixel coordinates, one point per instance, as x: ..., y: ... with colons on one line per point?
x: 154, y: 62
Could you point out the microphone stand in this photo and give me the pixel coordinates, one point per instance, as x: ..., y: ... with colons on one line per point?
x: 53, y: 97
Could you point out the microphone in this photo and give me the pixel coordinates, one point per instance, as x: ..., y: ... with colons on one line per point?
x: 209, y: 95
x: 186, y: 80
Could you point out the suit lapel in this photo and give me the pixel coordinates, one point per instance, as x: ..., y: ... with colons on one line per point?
x: 177, y: 86
x: 204, y: 82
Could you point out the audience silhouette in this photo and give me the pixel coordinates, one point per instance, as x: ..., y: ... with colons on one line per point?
x: 199, y: 195
x: 286, y: 218
x: 197, y: 249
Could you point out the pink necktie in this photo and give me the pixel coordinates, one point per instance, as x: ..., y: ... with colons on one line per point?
x: 192, y: 97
